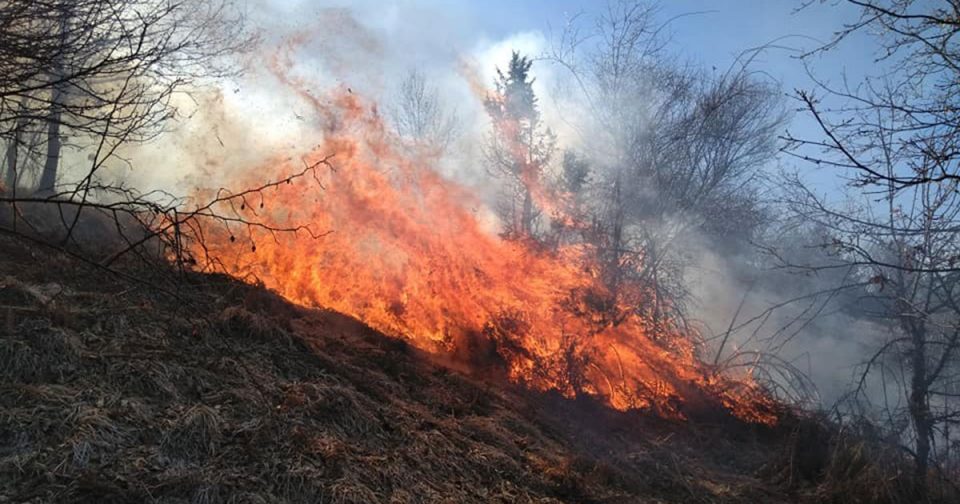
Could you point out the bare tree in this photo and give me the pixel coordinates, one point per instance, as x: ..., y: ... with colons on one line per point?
x: 894, y: 136
x: 893, y: 256
x: 674, y: 149
x: 98, y: 74
x: 420, y: 116
x: 919, y: 93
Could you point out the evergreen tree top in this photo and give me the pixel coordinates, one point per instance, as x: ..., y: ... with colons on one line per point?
x: 514, y: 90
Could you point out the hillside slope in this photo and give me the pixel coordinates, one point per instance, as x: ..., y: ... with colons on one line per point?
x: 110, y: 392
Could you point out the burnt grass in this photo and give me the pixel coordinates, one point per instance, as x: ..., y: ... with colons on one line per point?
x: 111, y: 392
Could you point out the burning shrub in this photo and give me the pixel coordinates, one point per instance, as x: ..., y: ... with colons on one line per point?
x: 506, y: 333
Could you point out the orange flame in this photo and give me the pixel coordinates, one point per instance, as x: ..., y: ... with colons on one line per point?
x: 409, y: 256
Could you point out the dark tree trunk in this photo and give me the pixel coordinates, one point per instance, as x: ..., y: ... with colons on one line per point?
x: 614, y: 272
x: 526, y: 219
x: 920, y: 408
x: 13, y: 150
x: 48, y: 178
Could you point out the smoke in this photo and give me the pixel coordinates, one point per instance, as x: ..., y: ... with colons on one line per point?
x: 772, y: 311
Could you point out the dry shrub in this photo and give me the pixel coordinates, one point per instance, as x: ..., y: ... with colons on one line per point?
x: 488, y: 431
x: 329, y: 448
x: 805, y: 452
x: 147, y: 378
x: 299, y: 484
x: 17, y: 440
x: 38, y: 352
x: 401, y: 496
x: 348, y: 490
x: 349, y: 413
x: 95, y: 436
x: 852, y: 464
x: 865, y: 472
x: 247, y: 498
x: 248, y: 398
x: 492, y: 465
x: 18, y: 361
x: 238, y: 321
x: 194, y: 435
x: 207, y: 494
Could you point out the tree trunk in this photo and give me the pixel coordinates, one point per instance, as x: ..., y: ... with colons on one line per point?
x: 526, y: 220
x: 12, y: 175
x: 920, y: 409
x: 614, y: 272
x: 10, y: 178
x: 48, y: 177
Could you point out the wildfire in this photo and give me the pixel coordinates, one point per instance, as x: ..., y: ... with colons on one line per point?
x: 410, y: 256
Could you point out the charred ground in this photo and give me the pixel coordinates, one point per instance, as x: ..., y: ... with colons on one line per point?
x: 113, y: 392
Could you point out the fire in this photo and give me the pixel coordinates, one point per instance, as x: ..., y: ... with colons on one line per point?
x: 410, y: 254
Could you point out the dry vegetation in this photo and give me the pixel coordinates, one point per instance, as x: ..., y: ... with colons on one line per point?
x: 110, y: 392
